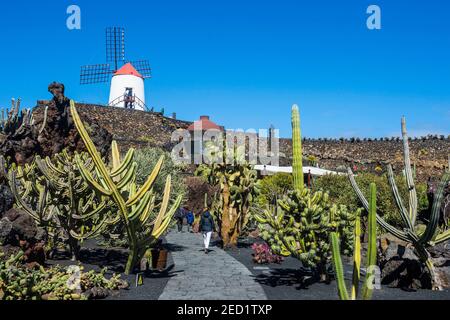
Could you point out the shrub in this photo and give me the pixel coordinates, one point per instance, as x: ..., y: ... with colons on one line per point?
x: 197, y: 188
x: 341, y: 193
x: 146, y: 160
x: 274, y: 187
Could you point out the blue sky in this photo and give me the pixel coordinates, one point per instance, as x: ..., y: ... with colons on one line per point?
x: 246, y: 62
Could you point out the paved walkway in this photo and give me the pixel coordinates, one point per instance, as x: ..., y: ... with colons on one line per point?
x: 216, y: 276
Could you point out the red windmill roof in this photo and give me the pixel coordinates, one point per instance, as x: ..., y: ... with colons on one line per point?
x: 205, y: 124
x: 128, y: 69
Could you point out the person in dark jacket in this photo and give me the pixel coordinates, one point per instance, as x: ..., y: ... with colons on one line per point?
x: 207, y: 226
x: 190, y: 219
x: 179, y: 216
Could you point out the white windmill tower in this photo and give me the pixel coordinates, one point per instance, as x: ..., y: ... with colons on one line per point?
x: 127, y: 82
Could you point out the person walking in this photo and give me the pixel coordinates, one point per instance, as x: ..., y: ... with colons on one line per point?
x: 179, y: 215
x: 207, y: 226
x: 190, y: 219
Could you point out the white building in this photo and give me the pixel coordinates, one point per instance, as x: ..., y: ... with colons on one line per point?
x: 127, y: 89
x: 314, y: 171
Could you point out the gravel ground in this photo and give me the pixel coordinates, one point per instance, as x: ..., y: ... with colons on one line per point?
x: 284, y: 281
x: 94, y: 257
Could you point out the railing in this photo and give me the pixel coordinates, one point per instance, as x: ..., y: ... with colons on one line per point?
x: 135, y: 101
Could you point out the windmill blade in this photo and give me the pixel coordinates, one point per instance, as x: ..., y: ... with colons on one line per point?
x: 143, y: 67
x: 115, y: 45
x: 96, y: 73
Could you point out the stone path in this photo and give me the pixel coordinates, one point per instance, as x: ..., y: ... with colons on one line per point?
x: 216, y: 276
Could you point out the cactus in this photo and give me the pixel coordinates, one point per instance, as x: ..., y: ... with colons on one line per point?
x: 55, y: 195
x: 300, y: 223
x: 18, y: 282
x: 135, y: 205
x: 297, y: 152
x: 433, y: 234
x: 238, y: 189
x: 15, y: 120
x: 371, y: 255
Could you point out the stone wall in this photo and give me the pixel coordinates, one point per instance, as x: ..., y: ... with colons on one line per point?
x: 429, y: 155
x: 130, y: 128
x: 139, y: 129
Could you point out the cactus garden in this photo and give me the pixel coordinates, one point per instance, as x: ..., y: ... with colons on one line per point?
x: 236, y: 151
x: 93, y: 221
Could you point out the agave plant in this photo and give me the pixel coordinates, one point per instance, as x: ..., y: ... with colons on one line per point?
x: 420, y: 240
x: 135, y: 204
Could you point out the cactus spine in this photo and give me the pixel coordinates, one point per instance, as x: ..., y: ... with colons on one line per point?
x: 371, y: 255
x: 297, y: 153
x: 135, y: 205
x: 432, y: 234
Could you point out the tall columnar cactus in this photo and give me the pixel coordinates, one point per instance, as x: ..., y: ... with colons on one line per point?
x: 13, y: 120
x: 433, y: 234
x: 297, y: 151
x: 135, y: 204
x: 371, y: 255
x: 55, y: 195
x: 301, y: 221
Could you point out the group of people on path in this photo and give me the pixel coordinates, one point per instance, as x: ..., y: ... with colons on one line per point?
x: 206, y: 226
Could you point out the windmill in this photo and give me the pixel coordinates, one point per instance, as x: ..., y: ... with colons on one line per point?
x: 127, y: 77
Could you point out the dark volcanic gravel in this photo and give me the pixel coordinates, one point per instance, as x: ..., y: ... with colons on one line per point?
x: 284, y: 281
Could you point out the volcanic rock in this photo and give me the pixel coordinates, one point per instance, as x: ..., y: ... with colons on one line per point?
x: 6, y: 199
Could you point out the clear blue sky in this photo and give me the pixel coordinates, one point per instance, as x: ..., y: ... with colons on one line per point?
x: 245, y: 62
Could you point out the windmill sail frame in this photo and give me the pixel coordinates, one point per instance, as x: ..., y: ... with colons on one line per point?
x: 95, y: 73
x: 115, y: 45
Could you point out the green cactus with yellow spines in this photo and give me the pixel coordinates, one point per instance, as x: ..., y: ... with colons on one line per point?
x: 420, y: 240
x: 297, y: 151
x: 300, y: 223
x: 135, y: 204
x: 54, y: 194
x: 370, y: 260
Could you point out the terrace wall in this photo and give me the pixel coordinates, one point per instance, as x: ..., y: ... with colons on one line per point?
x: 133, y: 128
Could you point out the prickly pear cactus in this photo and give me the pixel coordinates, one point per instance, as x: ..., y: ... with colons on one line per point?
x: 239, y: 187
